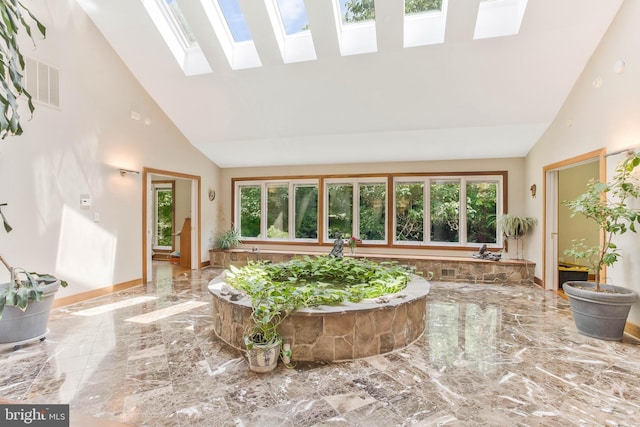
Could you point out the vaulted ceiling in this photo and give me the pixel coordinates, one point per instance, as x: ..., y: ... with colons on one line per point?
x: 462, y: 98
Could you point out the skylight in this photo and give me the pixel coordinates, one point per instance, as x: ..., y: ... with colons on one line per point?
x: 499, y: 18
x: 180, y: 24
x: 233, y: 33
x: 291, y: 28
x: 235, y: 20
x: 293, y: 15
x: 412, y: 7
x: 168, y: 18
x: 356, y: 26
x: 424, y: 22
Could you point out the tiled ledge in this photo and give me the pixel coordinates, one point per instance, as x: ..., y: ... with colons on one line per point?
x: 452, y: 269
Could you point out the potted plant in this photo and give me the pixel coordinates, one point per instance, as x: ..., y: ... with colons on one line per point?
x: 601, y: 310
x: 270, y: 305
x: 228, y: 239
x: 25, y: 302
x: 515, y: 227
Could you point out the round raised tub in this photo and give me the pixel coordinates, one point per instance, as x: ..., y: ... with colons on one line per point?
x: 332, y: 333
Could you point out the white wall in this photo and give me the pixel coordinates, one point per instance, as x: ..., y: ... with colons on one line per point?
x: 592, y: 118
x: 76, y: 150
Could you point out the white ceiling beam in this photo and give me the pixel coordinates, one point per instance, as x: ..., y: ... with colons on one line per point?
x: 257, y: 17
x: 323, y: 28
x: 461, y: 20
x: 196, y: 16
x: 389, y: 25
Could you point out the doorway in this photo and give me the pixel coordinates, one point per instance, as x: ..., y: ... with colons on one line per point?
x: 560, y: 183
x: 185, y: 221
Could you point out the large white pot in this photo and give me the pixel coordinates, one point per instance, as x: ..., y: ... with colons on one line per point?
x: 19, y: 326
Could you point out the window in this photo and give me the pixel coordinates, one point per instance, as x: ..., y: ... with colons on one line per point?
x: 340, y: 210
x: 409, y: 211
x: 462, y: 210
x: 365, y: 219
x: 287, y: 209
x: 163, y: 218
x: 423, y: 210
x: 291, y: 28
x: 278, y: 211
x: 355, y: 21
x: 445, y: 210
x: 306, y: 211
x: 250, y: 208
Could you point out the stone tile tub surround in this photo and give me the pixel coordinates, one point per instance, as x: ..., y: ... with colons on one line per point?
x: 437, y: 268
x: 333, y: 333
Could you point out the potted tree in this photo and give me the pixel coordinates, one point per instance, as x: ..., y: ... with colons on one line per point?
x: 515, y: 227
x: 601, y: 310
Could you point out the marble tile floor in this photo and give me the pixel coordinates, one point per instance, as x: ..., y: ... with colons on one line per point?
x: 490, y: 356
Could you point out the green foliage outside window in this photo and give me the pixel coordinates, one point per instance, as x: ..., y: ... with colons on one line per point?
x: 372, y: 211
x: 278, y: 211
x: 364, y: 10
x: 306, y: 211
x: 340, y: 210
x: 410, y: 212
x: 445, y: 211
x: 250, y: 211
x: 164, y: 200
x: 481, y: 212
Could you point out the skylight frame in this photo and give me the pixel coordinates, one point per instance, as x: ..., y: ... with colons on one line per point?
x: 191, y: 59
x: 296, y: 47
x: 240, y: 55
x: 425, y: 28
x: 498, y: 18
x: 354, y: 38
x: 177, y: 27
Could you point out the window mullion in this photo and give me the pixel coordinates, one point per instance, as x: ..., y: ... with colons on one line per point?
x: 427, y: 212
x: 462, y: 237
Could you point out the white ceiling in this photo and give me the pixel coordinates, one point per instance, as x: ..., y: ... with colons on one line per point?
x: 461, y: 99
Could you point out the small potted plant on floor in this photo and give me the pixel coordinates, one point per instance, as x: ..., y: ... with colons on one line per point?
x: 270, y: 305
x: 601, y: 310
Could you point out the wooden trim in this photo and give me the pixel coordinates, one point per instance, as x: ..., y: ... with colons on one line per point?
x: 596, y: 154
x: 204, y: 264
x: 538, y: 281
x: 632, y: 329
x: 61, y: 302
x: 390, y: 180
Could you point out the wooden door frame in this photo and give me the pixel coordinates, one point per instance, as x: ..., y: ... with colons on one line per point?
x: 195, y: 217
x: 550, y: 197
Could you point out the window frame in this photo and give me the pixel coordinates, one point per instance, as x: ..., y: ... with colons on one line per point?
x: 389, y: 180
x: 355, y: 209
x: 291, y: 208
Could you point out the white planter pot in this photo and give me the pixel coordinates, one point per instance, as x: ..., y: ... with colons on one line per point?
x: 264, y: 357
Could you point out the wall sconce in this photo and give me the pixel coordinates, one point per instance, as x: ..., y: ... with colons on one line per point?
x: 212, y: 195
x: 533, y: 191
x: 123, y: 172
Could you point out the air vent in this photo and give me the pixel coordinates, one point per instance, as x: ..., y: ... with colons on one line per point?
x: 42, y: 82
x: 448, y: 272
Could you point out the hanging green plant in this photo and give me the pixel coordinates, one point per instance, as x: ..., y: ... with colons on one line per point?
x: 15, y: 16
